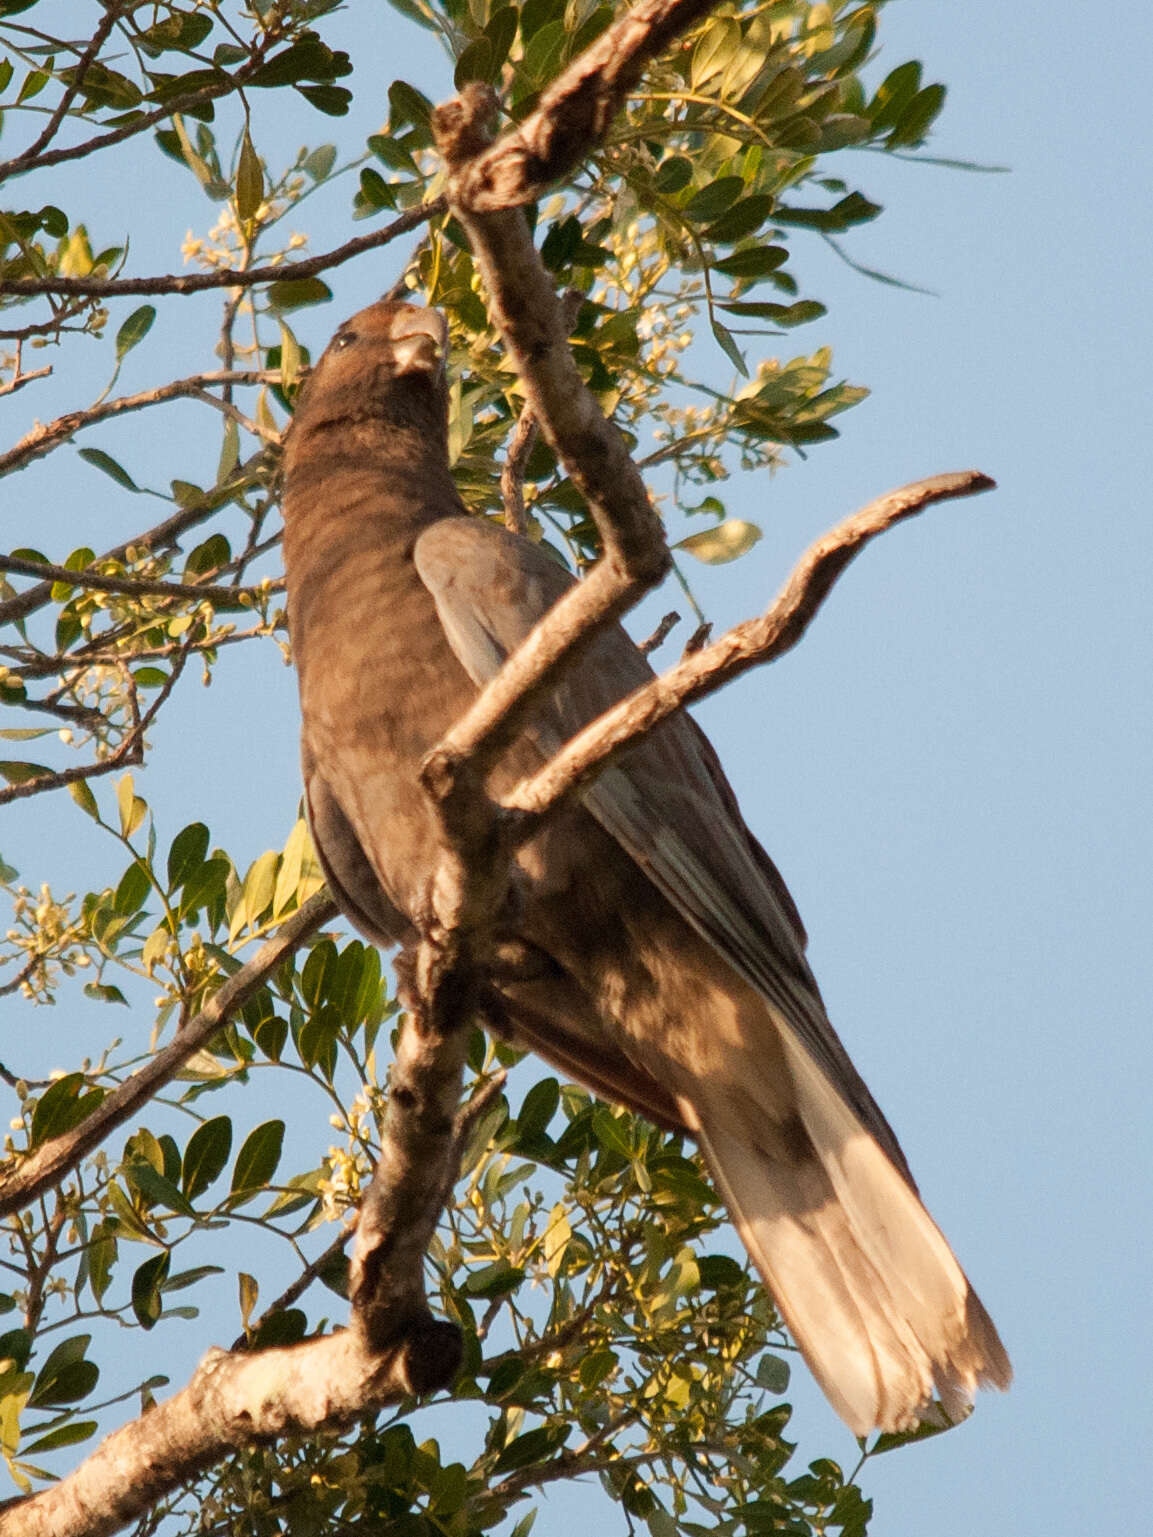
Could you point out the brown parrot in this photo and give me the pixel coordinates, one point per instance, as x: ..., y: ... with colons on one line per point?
x: 665, y: 958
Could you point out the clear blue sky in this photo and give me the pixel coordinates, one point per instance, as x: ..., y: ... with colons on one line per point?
x: 954, y: 769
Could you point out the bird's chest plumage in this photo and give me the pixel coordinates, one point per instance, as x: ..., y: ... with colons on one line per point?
x: 379, y: 684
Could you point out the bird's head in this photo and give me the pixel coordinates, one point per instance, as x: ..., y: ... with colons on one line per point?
x: 386, y: 365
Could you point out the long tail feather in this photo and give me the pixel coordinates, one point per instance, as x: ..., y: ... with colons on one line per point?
x: 861, y: 1274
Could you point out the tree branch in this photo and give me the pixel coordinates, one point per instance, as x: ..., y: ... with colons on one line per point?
x: 230, y: 277
x: 575, y: 111
x: 158, y: 538
x: 27, y: 161
x: 232, y: 1400
x: 103, y: 28
x: 750, y: 644
x: 45, y: 437
x: 393, y: 1349
x: 524, y: 305
x: 129, y: 751
x: 232, y: 597
x: 55, y: 1159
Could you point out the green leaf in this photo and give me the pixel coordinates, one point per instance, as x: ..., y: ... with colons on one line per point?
x: 206, y: 1155
x: 204, y: 885
x: 17, y: 773
x: 611, y: 1131
x: 134, y: 330
x: 853, y: 209
x: 187, y: 853
x: 318, y: 165
x: 63, y: 1105
x: 890, y: 1440
x: 773, y: 1373
x: 727, y: 541
x: 719, y: 1271
x: 780, y: 314
x: 715, y: 49
x: 187, y: 1278
x: 408, y: 105
x: 132, y: 809
x: 82, y: 794
x: 533, y: 1446
x: 258, y: 1158
x: 147, y: 1303
x: 65, y: 1376
x: 727, y: 343
x: 249, y: 179
x: 132, y: 890
x: 894, y: 94
x: 918, y: 117
x: 332, y: 100
x: 673, y: 174
x: 249, y: 1292
x: 295, y: 293
x: 495, y: 1280
x: 101, y: 1254
x: 70, y: 1434
x: 102, y: 461
x: 754, y: 262
x: 375, y: 192
x: 156, y: 1188
x: 105, y: 992
x: 745, y: 217
x: 392, y: 153
x: 476, y: 62
x: 715, y: 199
x: 540, y: 1105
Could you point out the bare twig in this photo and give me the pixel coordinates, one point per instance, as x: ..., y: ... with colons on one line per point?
x: 13, y: 985
x: 699, y: 639
x: 512, y: 471
x: 55, y: 1159
x: 660, y: 634
x: 750, y: 644
x: 525, y: 435
x: 53, y: 327
x: 129, y: 752
x: 525, y: 307
x: 19, y: 380
x: 532, y: 322
x: 229, y: 277
x: 43, y: 438
x: 293, y: 1292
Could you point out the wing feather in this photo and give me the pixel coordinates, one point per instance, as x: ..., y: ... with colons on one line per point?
x: 666, y: 801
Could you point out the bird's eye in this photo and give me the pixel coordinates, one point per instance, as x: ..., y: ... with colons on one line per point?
x: 343, y: 339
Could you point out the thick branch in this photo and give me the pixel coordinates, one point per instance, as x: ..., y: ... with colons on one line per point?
x: 532, y: 320
x: 750, y: 644
x: 231, y: 1401
x: 524, y: 304
x: 575, y: 111
x: 55, y: 1159
x: 393, y: 1349
x: 230, y: 277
